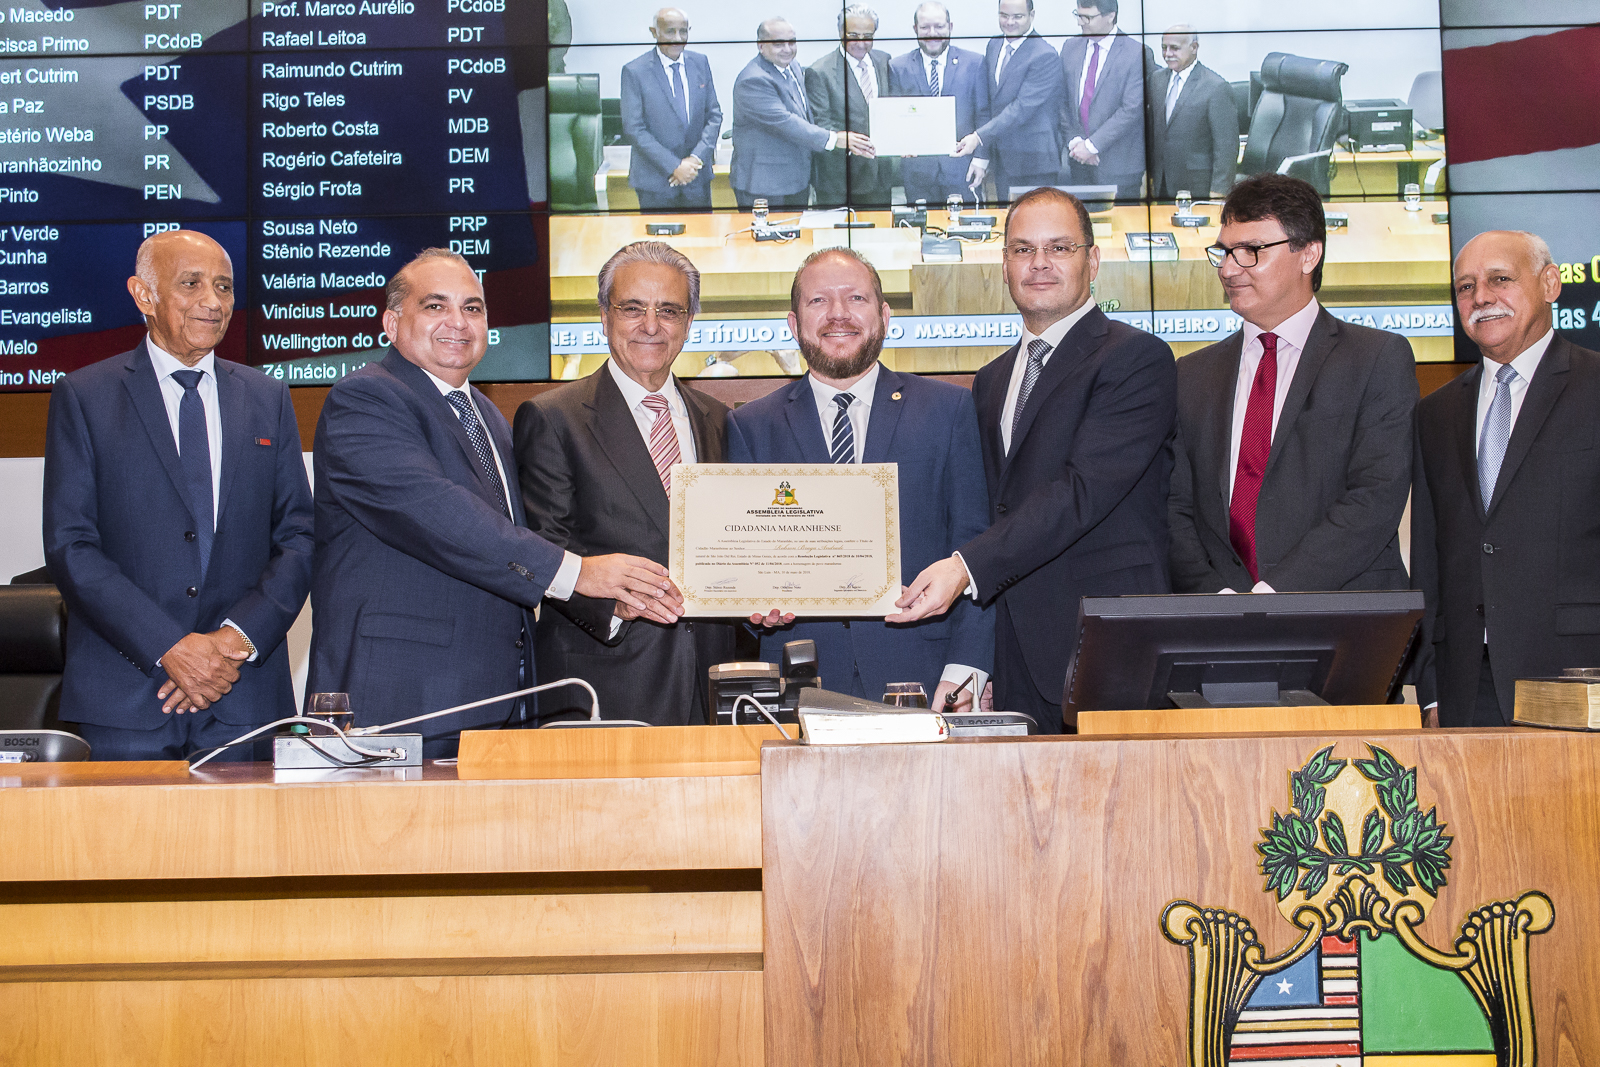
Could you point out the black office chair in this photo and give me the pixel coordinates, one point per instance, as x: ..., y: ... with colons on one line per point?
x: 1241, y: 103
x: 33, y: 627
x: 1297, y: 120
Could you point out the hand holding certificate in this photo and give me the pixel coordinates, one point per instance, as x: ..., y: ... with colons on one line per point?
x: 913, y: 125
x: 814, y: 538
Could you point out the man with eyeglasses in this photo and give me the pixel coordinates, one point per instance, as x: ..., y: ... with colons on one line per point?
x: 671, y: 115
x: 1076, y: 423
x: 775, y: 132
x: 841, y: 86
x: 595, y: 459
x: 938, y: 68
x: 1102, y: 107
x: 1021, y: 137
x: 850, y: 408
x: 1294, y: 434
x: 424, y: 577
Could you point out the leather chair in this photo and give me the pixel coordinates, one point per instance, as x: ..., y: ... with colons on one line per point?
x: 1297, y: 120
x: 576, y: 146
x: 33, y: 626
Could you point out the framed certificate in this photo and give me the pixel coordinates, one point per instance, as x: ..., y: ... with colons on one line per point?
x: 807, y: 538
x: 913, y: 125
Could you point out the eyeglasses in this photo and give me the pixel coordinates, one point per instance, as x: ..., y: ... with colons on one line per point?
x: 666, y: 314
x: 1020, y: 253
x: 1244, y: 255
x: 1081, y: 17
x: 860, y: 36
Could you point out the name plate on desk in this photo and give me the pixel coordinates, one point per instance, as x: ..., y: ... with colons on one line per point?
x: 810, y: 538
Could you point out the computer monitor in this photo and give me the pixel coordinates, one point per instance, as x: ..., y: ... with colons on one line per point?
x: 1096, y: 198
x: 1244, y: 650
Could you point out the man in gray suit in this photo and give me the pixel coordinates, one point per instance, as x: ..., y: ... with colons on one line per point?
x: 671, y: 116
x: 594, y: 459
x: 1102, y: 102
x: 841, y: 86
x: 1194, y: 125
x: 774, y: 132
x: 1294, y: 434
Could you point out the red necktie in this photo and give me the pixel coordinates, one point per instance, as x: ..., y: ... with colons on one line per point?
x: 1255, y: 445
x: 1087, y: 97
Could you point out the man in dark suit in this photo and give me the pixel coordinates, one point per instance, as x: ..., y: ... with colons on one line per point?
x: 1294, y: 433
x: 1193, y: 124
x: 774, y: 131
x: 595, y: 458
x: 423, y: 569
x: 841, y: 86
x: 671, y: 117
x: 851, y: 409
x: 1505, y: 519
x: 938, y: 68
x: 177, y: 522
x: 1022, y: 136
x: 1076, y: 424
x: 1102, y: 102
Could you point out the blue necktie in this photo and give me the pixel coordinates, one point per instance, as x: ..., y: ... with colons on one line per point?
x: 844, y: 435
x: 194, y: 451
x: 678, y: 91
x: 480, y: 442
x: 933, y: 79
x: 1496, y: 435
x: 1030, y: 377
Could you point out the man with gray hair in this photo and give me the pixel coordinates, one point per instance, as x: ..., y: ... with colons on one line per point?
x: 671, y: 116
x: 1193, y: 124
x: 841, y: 87
x: 774, y: 131
x: 424, y: 577
x: 1505, y: 499
x: 595, y: 460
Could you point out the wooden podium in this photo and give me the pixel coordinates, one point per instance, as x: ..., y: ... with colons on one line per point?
x: 1078, y: 900
x: 570, y: 897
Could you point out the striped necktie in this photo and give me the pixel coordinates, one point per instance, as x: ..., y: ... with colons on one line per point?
x: 933, y: 78
x: 663, y: 439
x: 844, y: 435
x: 1030, y: 377
x: 480, y: 443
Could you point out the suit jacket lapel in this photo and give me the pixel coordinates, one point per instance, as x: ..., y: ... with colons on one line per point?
x: 703, y: 424
x: 230, y: 398
x: 613, y: 427
x: 885, y: 417
x: 1074, y: 348
x: 146, y: 393
x: 994, y: 408
x: 1218, y: 435
x: 1466, y: 423
x: 1319, y: 343
x: 664, y: 85
x: 1010, y: 74
x: 418, y: 381
x: 1548, y: 382
x: 499, y: 432
x: 805, y: 423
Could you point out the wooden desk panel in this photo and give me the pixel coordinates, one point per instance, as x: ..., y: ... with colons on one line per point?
x: 1001, y: 901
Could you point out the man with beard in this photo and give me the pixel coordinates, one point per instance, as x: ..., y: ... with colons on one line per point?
x: 852, y: 409
x: 1505, y: 521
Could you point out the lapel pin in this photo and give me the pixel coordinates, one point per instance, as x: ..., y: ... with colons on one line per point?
x: 894, y: 396
x: 265, y: 441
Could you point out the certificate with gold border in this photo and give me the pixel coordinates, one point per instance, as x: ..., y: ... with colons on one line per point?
x: 807, y: 538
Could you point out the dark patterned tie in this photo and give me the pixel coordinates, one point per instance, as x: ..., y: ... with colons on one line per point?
x: 1030, y: 377
x: 1255, y: 447
x: 933, y: 78
x: 480, y: 443
x: 194, y: 451
x: 679, y: 91
x: 844, y: 435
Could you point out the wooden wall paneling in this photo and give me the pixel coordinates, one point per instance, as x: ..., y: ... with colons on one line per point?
x: 999, y: 902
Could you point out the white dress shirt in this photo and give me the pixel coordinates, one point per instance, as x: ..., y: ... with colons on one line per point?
x: 1525, y: 364
x: 860, y: 411
x: 171, y: 396
x: 683, y: 69
x: 566, y: 579
x: 860, y: 407
x: 1052, y: 336
x: 633, y: 395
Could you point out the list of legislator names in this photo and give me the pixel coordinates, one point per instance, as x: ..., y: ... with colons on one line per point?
x: 327, y: 141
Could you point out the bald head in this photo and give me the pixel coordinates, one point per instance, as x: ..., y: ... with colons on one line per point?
x: 1180, y: 46
x: 1505, y: 282
x: 775, y: 40
x: 670, y: 28
x: 183, y: 285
